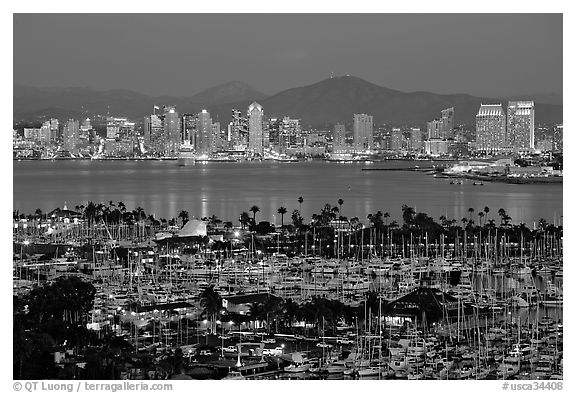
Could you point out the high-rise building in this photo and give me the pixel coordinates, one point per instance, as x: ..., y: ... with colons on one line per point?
x: 290, y: 133
x: 274, y: 127
x: 434, y: 129
x: 171, y: 131
x: 154, y: 133
x: 188, y: 128
x: 70, y: 134
x: 363, y: 132
x: 54, y: 130
x: 396, y: 139
x: 339, y: 140
x: 415, y: 139
x: 520, y: 125
x: 45, y: 133
x: 238, y: 129
x: 215, y: 137
x: 490, y: 128
x: 558, y: 137
x: 204, y: 130
x: 447, y: 123
x: 255, y: 116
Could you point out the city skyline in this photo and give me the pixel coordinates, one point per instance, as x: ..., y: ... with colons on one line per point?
x: 282, y: 57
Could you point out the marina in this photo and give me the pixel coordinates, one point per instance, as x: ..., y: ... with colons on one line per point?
x: 373, y: 308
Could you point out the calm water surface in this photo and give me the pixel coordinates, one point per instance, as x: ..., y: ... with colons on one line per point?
x: 228, y: 189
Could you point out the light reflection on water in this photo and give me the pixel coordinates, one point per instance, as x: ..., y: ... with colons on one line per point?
x: 228, y: 189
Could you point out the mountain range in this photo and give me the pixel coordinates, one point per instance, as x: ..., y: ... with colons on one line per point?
x: 324, y: 103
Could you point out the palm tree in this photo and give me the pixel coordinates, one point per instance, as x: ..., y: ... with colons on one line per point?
x: 212, y: 302
x: 480, y: 215
x: 386, y: 217
x: 244, y: 219
x: 282, y: 210
x: 90, y: 212
x: 340, y: 203
x: 256, y: 312
x: 184, y: 216
x: 486, y: 211
x: 254, y: 209
x: 214, y: 220
x: 470, y: 211
x: 138, y: 213
x: 300, y: 200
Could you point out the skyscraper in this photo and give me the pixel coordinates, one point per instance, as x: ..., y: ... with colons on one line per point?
x: 171, y: 131
x: 204, y: 131
x: 70, y: 134
x: 255, y: 135
x: 188, y: 129
x: 45, y: 133
x: 415, y: 139
x: 490, y: 128
x: 520, y: 125
x: 339, y: 140
x: 237, y: 129
x: 290, y: 132
x: 396, y: 139
x: 54, y: 129
x: 363, y: 132
x: 434, y: 129
x: 447, y: 123
x: 154, y: 133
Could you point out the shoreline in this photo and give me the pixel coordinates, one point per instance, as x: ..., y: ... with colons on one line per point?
x: 504, y: 179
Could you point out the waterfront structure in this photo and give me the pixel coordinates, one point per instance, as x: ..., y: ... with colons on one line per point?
x: 171, y: 131
x: 363, y: 132
x: 490, y: 128
x: 70, y: 134
x: 255, y: 115
x: 436, y: 147
x: 520, y: 125
x: 396, y: 139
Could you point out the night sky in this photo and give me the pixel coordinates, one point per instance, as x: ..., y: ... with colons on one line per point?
x: 166, y: 54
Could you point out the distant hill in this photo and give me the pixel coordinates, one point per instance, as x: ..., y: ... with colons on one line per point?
x: 323, y: 103
x: 228, y: 92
